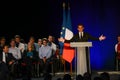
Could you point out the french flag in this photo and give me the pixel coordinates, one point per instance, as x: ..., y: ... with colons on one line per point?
x: 68, y: 52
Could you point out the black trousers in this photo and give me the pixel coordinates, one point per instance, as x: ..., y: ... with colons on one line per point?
x: 4, y: 72
x: 44, y: 67
x: 118, y: 64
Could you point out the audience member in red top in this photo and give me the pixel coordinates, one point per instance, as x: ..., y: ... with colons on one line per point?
x: 117, y: 50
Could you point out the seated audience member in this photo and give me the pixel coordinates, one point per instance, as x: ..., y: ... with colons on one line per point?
x: 117, y: 50
x: 33, y: 43
x: 52, y: 44
x: 55, y: 52
x: 105, y: 76
x: 19, y: 44
x: 39, y: 42
x: 17, y: 55
x: 45, y: 53
x: 2, y: 43
x: 9, y: 61
x: 29, y: 57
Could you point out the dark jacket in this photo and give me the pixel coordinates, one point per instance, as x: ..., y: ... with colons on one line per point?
x: 85, y: 38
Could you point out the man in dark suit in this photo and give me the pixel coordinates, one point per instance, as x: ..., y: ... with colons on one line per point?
x: 7, y: 62
x: 82, y: 36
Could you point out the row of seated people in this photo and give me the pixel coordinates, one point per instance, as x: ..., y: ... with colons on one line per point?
x: 30, y: 61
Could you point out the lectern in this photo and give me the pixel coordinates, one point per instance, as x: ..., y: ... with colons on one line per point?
x: 83, y: 57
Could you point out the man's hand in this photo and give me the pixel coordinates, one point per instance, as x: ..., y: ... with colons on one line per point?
x: 11, y: 62
x: 44, y: 60
x: 61, y: 39
x: 102, y: 38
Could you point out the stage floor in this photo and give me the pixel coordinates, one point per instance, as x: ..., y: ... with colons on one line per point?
x: 114, y: 75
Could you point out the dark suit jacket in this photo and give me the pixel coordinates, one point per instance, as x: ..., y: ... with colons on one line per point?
x: 8, y: 59
x: 5, y: 68
x: 85, y: 38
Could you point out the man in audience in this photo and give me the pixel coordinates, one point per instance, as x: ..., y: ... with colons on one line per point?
x: 9, y: 60
x: 45, y: 53
x: 117, y: 50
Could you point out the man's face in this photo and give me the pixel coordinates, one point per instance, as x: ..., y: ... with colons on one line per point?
x: 17, y: 40
x: 50, y: 38
x: 40, y: 42
x: 12, y: 43
x: 44, y: 43
x: 2, y: 41
x: 80, y: 28
x: 6, y: 49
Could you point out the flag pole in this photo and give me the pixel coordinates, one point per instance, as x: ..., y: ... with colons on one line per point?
x: 71, y: 62
x: 71, y: 68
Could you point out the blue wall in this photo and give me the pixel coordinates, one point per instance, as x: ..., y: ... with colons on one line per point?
x: 99, y: 17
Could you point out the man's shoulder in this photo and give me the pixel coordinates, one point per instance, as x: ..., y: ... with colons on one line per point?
x: 21, y: 44
x: 76, y: 34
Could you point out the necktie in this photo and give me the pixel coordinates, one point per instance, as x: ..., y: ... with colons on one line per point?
x: 6, y: 57
x: 80, y: 35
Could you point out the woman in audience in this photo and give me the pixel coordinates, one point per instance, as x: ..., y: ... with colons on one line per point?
x: 29, y: 57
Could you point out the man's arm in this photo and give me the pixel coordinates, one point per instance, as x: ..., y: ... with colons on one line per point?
x: 95, y: 38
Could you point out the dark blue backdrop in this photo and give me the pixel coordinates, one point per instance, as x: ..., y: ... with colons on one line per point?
x: 99, y: 17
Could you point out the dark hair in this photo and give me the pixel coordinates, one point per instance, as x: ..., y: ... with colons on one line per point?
x: 105, y: 76
x: 97, y: 78
x: 12, y: 40
x: 45, y: 39
x: 80, y: 24
x: 67, y: 77
x: 6, y: 45
x: 2, y: 38
x: 17, y: 36
x: 118, y: 35
x: 87, y: 76
x: 79, y: 77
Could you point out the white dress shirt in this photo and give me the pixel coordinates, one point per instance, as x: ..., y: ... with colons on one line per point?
x: 4, y: 58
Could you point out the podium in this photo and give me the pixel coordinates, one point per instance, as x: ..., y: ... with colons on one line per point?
x: 82, y: 56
